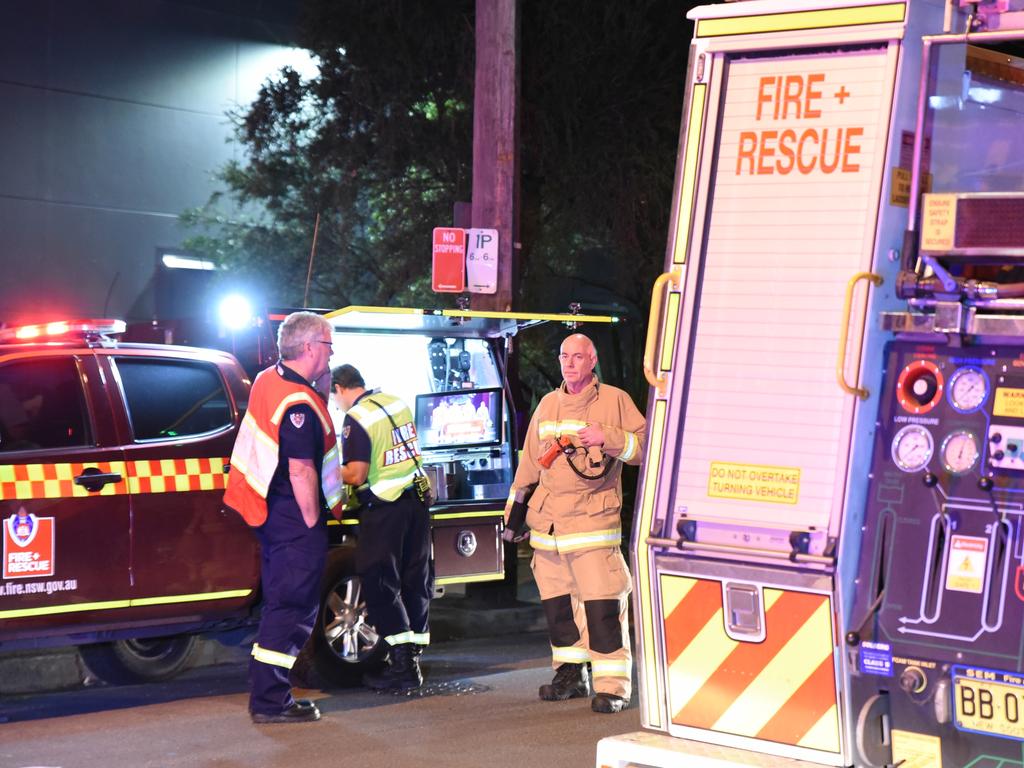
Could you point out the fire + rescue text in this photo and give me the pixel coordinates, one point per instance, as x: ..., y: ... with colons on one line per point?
x: 399, y: 438
x: 27, y: 562
x: 823, y: 149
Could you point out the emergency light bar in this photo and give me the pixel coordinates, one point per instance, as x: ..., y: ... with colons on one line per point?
x: 60, y: 329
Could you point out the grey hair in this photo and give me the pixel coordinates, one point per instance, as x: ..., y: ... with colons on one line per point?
x: 296, y: 330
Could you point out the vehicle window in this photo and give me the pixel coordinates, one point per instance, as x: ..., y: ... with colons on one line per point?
x: 42, y: 405
x: 172, y: 398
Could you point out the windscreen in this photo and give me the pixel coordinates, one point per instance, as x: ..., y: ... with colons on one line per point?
x: 976, y: 111
x: 461, y: 419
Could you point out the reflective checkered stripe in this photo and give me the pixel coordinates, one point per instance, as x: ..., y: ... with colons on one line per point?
x: 57, y: 481
x: 176, y: 475
x: 419, y: 638
x: 274, y: 658
x: 780, y: 689
x: 575, y: 542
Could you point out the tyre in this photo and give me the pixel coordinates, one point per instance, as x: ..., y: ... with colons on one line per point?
x: 343, y: 646
x: 140, y: 661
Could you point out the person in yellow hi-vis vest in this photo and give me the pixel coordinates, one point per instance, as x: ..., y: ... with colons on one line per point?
x: 381, y: 455
x: 567, y: 494
x: 284, y: 475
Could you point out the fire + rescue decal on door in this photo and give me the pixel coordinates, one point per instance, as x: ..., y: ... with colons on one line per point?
x: 28, y: 546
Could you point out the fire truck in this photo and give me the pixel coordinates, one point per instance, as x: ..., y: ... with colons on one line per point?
x: 828, y: 555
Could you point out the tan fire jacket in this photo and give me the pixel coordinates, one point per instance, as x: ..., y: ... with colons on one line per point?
x: 566, y: 512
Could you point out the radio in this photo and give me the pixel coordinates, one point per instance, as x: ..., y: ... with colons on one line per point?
x: 562, y: 445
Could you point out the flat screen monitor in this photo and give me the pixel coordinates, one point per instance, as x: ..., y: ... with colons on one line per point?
x: 462, y: 418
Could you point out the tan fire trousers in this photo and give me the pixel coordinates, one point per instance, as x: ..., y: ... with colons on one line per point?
x: 585, y: 596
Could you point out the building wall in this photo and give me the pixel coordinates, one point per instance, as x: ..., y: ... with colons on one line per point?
x: 112, y: 122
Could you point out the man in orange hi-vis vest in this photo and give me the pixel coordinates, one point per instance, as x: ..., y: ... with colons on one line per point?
x: 284, y: 475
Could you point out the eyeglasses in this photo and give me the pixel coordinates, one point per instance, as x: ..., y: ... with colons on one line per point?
x: 328, y: 343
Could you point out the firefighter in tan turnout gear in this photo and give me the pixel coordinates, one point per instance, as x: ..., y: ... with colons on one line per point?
x: 568, y: 489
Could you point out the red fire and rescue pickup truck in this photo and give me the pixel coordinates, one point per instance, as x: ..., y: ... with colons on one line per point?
x: 112, y: 469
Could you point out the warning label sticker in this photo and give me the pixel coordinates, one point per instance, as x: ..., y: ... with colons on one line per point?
x: 966, y: 569
x: 938, y: 222
x: 916, y: 750
x: 751, y: 482
x: 1009, y: 402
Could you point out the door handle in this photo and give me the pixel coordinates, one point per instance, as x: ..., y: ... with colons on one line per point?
x: 93, y: 479
x: 844, y: 332
x: 654, y: 377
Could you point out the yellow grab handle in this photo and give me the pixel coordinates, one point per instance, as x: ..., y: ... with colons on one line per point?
x: 844, y: 331
x: 654, y: 327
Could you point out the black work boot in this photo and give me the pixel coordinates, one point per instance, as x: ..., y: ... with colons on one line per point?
x: 571, y: 681
x: 608, y: 703
x: 402, y: 672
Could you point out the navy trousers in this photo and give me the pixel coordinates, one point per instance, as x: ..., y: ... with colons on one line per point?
x: 393, y: 561
x: 291, y: 570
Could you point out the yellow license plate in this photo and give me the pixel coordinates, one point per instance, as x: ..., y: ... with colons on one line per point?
x: 986, y: 706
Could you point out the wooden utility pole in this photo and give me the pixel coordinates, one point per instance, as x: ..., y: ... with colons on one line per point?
x: 496, y: 191
x: 496, y: 141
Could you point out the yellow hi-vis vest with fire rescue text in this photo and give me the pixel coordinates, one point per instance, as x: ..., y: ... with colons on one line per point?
x: 256, y: 452
x: 392, y: 469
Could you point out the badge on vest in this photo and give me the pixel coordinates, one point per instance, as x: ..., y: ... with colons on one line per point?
x: 298, y: 419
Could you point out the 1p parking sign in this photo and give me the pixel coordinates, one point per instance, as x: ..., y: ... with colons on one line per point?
x: 482, y: 260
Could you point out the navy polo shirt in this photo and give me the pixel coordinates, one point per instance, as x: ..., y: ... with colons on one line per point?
x: 300, y: 436
x: 355, y: 443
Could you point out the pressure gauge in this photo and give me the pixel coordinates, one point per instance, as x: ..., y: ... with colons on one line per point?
x: 912, y: 448
x: 968, y: 389
x: 919, y: 386
x: 960, y: 451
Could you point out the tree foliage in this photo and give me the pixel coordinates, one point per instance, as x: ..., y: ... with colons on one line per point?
x: 380, y: 144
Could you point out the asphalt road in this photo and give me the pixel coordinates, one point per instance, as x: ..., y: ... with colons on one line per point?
x: 479, y: 708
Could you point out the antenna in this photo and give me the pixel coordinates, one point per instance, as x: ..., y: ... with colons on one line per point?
x: 312, y: 253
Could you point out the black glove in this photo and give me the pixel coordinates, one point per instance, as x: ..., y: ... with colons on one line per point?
x: 516, y: 527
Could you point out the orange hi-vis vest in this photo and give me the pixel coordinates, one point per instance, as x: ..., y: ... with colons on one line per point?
x: 255, y: 455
